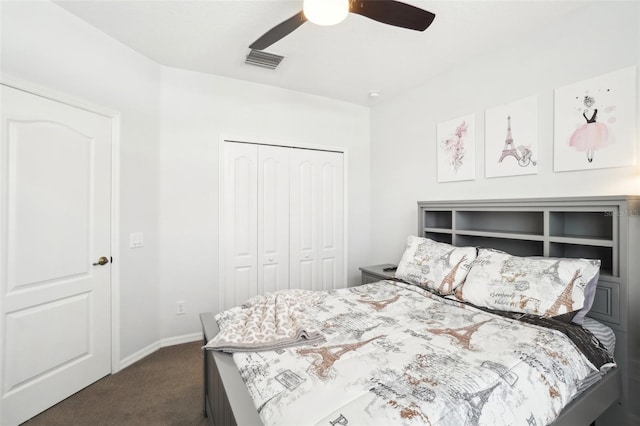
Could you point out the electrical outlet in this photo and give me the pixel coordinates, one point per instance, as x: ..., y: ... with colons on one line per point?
x: 180, y: 308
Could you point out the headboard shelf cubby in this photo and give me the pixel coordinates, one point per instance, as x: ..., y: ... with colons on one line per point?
x: 443, y: 237
x: 516, y: 246
x: 513, y: 222
x: 582, y: 224
x: 603, y: 227
x: 586, y: 250
x: 438, y: 219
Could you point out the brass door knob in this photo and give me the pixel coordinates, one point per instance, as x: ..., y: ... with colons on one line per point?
x: 102, y: 261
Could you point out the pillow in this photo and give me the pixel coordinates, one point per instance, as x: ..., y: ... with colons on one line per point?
x: 436, y: 266
x: 589, y: 297
x: 543, y: 286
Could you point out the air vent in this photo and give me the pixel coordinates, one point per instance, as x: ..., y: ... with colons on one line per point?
x: 263, y: 59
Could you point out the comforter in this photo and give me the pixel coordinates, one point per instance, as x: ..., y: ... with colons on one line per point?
x: 397, y: 354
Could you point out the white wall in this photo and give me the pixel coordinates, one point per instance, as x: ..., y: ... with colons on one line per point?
x: 172, y: 121
x: 197, y: 110
x: 598, y: 39
x: 45, y: 45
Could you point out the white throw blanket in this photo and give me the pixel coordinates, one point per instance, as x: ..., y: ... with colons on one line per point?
x: 269, y: 322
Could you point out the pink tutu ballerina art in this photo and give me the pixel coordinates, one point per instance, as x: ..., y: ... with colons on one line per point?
x: 594, y: 122
x: 594, y: 134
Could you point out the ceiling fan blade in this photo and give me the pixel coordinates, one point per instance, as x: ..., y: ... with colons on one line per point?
x: 281, y: 30
x: 393, y: 12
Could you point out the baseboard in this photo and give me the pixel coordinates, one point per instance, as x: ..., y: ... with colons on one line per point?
x: 178, y: 340
x: 137, y: 356
x: 149, y: 349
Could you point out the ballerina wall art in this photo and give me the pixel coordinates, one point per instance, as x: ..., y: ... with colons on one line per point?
x: 456, y: 149
x: 594, y: 122
x: 511, y: 138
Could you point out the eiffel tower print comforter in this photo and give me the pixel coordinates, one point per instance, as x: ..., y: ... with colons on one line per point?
x: 396, y: 354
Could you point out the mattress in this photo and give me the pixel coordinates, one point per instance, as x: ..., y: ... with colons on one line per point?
x: 397, y: 354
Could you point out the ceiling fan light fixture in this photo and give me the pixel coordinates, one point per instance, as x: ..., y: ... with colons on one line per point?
x: 326, y: 12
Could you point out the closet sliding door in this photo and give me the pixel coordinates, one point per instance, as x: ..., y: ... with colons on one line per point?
x: 282, y: 220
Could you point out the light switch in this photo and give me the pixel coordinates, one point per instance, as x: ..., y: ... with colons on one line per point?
x: 136, y: 239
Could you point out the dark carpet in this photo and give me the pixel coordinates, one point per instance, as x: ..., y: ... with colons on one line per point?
x: 164, y: 388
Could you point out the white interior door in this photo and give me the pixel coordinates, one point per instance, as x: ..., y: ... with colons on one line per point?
x: 273, y: 218
x: 304, y: 221
x: 55, y: 218
x: 282, y: 220
x: 331, y: 220
x: 240, y: 219
x: 317, y: 220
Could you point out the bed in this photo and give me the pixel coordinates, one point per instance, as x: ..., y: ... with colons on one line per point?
x: 392, y: 346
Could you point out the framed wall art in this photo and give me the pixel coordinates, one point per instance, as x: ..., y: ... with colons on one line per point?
x: 456, y: 149
x: 594, y: 122
x: 511, y: 138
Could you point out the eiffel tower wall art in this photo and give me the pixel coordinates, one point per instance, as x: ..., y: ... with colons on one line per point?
x: 456, y: 151
x: 511, y: 138
x: 594, y: 122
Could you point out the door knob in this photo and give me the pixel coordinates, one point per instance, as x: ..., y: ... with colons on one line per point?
x: 102, y: 261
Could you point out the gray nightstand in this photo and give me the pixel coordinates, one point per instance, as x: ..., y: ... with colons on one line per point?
x: 372, y: 274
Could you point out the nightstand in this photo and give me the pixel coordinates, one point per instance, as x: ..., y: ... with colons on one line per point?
x: 375, y: 273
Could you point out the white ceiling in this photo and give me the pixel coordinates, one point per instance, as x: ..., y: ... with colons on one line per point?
x: 343, y: 62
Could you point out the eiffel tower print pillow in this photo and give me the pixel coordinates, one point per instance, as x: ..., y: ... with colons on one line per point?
x: 542, y: 286
x: 435, y: 266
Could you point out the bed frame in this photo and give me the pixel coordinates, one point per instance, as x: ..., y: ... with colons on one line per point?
x: 593, y: 227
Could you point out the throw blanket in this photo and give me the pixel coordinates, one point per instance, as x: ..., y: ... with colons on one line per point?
x: 269, y: 322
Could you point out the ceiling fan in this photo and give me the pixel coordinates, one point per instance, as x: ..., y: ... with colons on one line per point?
x: 388, y: 12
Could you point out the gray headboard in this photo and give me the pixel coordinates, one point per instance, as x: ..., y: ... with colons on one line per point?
x: 605, y: 228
